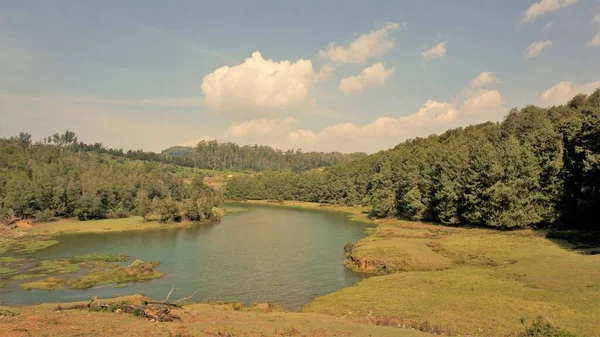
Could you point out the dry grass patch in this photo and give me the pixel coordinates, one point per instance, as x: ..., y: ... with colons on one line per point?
x: 197, y: 320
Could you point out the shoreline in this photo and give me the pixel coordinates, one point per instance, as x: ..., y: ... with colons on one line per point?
x: 423, y: 271
x: 64, y: 226
x: 355, y: 213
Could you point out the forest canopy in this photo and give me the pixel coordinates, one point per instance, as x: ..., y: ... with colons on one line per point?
x: 213, y: 155
x: 54, y: 178
x: 537, y: 167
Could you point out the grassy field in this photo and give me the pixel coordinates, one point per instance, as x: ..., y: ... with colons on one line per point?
x: 196, y: 320
x: 468, y: 281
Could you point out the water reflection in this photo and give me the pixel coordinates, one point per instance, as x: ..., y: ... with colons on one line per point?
x: 267, y: 254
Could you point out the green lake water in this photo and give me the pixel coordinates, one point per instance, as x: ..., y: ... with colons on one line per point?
x: 266, y: 254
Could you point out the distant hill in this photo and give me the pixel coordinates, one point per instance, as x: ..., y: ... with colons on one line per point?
x: 230, y: 156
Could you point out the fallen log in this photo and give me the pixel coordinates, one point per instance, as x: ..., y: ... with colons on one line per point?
x: 158, y: 311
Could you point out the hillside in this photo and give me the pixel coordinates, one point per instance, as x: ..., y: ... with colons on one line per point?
x: 537, y: 167
x: 55, y: 179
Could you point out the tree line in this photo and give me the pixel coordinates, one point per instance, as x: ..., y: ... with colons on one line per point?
x: 229, y: 156
x: 538, y: 166
x: 55, y: 178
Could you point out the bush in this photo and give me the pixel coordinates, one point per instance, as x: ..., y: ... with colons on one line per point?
x: 542, y: 328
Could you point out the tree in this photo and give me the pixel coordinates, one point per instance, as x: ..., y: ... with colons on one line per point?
x: 143, y: 204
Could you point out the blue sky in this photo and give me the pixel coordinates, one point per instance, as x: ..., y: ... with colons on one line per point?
x: 148, y: 74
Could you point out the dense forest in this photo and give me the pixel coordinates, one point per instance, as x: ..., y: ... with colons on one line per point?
x: 230, y: 156
x: 538, y: 166
x: 42, y: 181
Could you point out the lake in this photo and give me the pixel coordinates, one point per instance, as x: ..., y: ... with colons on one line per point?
x: 269, y: 254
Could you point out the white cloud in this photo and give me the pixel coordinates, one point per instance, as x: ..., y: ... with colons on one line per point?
x: 259, y: 86
x: 261, y: 127
x: 476, y: 106
x: 596, y: 19
x: 595, y: 41
x: 536, y: 48
x: 484, y: 79
x: 433, y: 117
x: 562, y: 92
x: 302, y: 136
x: 325, y: 71
x: 365, y: 46
x: 544, y: 7
x: 439, y: 50
x: 194, y: 141
x: 548, y: 25
x: 373, y: 76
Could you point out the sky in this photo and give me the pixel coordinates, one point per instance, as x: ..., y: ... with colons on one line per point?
x: 313, y: 75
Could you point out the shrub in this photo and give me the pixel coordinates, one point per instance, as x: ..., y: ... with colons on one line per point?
x: 542, y: 328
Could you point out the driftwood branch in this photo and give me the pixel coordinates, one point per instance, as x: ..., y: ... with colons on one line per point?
x: 176, y: 303
x: 159, y: 311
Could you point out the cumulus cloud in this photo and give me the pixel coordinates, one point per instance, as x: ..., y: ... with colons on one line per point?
x: 433, y: 117
x: 325, y: 71
x: 194, y: 141
x: 373, y: 76
x: 536, y: 48
x: 439, y: 50
x: 475, y: 106
x: 365, y: 46
x: 483, y: 79
x: 260, y: 86
x: 544, y: 7
x: 563, y: 91
x: 261, y: 127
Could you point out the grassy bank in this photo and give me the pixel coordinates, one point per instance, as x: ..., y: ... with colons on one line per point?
x: 134, y: 223
x: 196, y: 320
x: 467, y: 281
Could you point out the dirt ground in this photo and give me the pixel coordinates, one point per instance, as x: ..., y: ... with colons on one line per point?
x: 196, y: 320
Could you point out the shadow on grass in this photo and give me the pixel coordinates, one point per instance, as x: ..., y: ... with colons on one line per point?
x: 584, y: 242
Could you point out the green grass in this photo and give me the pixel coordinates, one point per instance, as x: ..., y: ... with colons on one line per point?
x: 10, y: 260
x: 390, y: 248
x: 460, y: 300
x: 137, y: 271
x: 135, y: 223
x: 481, y: 247
x: 5, y: 272
x: 25, y: 276
x: 47, y: 267
x: 51, y: 283
x: 26, y: 244
x: 398, y: 254
x: 104, y: 257
x: 489, y: 282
